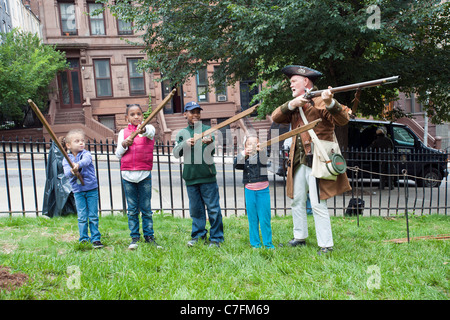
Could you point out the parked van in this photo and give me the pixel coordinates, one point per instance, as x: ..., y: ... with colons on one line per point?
x: 409, y: 152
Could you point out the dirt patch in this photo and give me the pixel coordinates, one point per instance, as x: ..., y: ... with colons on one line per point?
x: 9, y: 281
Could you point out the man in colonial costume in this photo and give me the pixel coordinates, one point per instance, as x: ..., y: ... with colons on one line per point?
x: 299, y: 179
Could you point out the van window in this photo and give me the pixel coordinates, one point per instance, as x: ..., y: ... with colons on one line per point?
x: 403, y: 137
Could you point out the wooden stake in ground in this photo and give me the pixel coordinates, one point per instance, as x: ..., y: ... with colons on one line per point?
x: 53, y: 136
x: 438, y: 237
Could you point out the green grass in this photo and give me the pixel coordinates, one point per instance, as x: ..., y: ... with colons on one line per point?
x: 47, y: 250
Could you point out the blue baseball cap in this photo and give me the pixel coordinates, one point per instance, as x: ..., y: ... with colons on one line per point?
x: 191, y: 106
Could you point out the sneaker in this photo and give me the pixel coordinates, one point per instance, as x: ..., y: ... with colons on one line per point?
x: 214, y: 244
x: 323, y: 251
x: 97, y: 245
x: 297, y: 242
x: 150, y: 239
x: 194, y: 241
x: 133, y: 245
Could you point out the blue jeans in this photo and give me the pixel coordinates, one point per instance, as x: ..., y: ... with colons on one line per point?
x: 257, y: 203
x: 139, y: 197
x: 201, y: 195
x: 87, y: 211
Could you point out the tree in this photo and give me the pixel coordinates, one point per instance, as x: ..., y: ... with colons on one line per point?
x: 27, y: 67
x: 349, y: 41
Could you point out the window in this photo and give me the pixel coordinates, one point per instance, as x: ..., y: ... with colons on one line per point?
x: 102, y: 75
x: 108, y: 121
x: 135, y: 77
x: 403, y: 137
x: 97, y: 23
x: 221, y: 91
x: 124, y: 27
x: 68, y: 21
x: 5, y: 6
x: 202, y: 85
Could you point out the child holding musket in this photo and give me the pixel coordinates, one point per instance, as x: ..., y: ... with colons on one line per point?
x: 257, y: 195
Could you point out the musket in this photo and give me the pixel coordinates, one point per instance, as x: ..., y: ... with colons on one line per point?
x: 357, y: 86
x: 289, y: 134
x: 54, y: 138
x: 154, y: 113
x: 226, y: 122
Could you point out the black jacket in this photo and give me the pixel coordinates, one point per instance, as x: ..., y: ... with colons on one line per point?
x: 254, y: 169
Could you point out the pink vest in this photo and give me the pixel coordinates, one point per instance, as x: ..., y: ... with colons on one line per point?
x: 139, y: 156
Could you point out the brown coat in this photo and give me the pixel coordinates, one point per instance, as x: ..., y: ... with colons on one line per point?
x: 338, y: 115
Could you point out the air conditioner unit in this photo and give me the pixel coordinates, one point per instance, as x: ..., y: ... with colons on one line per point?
x: 221, y: 97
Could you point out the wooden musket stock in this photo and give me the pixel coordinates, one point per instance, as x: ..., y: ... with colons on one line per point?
x: 54, y: 138
x: 289, y: 134
x: 154, y: 113
x: 226, y: 122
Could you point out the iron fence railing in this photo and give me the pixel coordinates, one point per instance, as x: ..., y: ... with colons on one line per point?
x: 415, y: 183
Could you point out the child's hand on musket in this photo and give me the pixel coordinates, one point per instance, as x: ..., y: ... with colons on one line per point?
x: 75, y: 168
x: 141, y: 130
x: 190, y: 142
x: 207, y: 140
x: 127, y: 142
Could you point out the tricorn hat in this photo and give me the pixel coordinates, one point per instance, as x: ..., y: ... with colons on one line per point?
x: 302, y: 71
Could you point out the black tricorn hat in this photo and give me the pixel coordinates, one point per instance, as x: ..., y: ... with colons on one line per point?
x: 301, y: 71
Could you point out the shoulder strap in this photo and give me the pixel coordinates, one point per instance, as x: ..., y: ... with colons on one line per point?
x: 314, y: 137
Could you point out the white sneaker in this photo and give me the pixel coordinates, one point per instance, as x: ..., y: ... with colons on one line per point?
x: 133, y: 245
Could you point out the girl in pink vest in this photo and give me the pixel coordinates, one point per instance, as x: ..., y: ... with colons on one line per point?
x: 136, y: 163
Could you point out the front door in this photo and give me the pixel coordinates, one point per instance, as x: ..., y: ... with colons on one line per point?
x: 69, y: 82
x: 175, y: 105
x: 247, y: 91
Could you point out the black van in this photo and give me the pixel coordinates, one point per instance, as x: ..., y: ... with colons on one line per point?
x: 409, y: 152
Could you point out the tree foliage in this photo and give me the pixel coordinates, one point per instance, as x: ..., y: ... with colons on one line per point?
x: 27, y: 67
x: 349, y: 41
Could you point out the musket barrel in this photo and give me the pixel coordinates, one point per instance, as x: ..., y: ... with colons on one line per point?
x: 355, y: 86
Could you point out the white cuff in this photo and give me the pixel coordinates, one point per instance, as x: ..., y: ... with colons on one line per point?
x: 290, y: 107
x: 331, y: 105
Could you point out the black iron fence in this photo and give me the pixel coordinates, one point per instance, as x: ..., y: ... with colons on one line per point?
x: 414, y: 183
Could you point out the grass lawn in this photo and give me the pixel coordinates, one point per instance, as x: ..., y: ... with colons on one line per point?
x: 363, y: 265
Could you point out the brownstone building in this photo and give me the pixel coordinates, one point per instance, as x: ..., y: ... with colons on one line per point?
x: 104, y: 77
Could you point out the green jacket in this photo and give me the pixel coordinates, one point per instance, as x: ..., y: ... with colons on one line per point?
x: 199, y: 164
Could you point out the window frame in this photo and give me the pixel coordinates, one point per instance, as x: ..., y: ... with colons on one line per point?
x: 65, y: 33
x: 201, y: 85
x: 221, y: 90
x: 93, y: 18
x: 136, y: 93
x: 124, y: 33
x: 96, y: 78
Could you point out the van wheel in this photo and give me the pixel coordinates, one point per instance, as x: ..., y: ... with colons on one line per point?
x: 430, y: 173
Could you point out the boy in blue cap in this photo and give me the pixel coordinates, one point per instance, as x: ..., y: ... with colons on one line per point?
x: 199, y: 174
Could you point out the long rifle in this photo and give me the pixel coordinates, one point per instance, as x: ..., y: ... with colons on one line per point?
x: 289, y: 134
x: 357, y: 86
x: 226, y: 122
x: 54, y: 138
x: 154, y: 113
